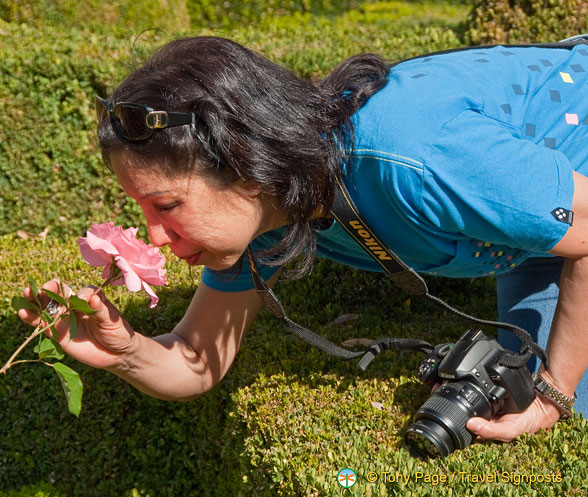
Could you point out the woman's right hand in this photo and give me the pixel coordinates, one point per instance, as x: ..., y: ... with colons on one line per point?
x: 103, y: 339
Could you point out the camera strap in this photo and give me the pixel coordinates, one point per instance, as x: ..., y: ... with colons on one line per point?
x: 271, y: 301
x: 346, y: 213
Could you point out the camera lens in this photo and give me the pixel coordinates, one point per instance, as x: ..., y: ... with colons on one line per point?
x: 439, y: 426
x: 426, y: 438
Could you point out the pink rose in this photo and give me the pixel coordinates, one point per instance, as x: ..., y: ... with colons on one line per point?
x: 140, y: 264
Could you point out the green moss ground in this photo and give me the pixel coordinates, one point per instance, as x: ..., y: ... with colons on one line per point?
x: 283, y: 422
x: 286, y: 418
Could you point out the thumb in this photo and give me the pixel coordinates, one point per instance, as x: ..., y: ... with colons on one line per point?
x: 502, y: 429
x: 98, y: 302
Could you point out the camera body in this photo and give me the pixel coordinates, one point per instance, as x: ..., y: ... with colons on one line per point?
x: 473, y: 384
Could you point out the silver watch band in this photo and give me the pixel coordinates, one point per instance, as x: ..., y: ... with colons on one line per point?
x: 562, y: 402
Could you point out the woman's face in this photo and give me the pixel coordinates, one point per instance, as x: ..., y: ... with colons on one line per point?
x: 203, y: 224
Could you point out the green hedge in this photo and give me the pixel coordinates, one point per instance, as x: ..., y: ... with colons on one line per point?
x: 282, y: 423
x: 51, y: 174
x: 526, y: 21
x: 235, y: 12
x: 286, y: 418
x: 128, y: 14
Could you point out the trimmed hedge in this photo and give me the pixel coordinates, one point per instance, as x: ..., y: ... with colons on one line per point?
x: 234, y: 12
x: 526, y: 21
x: 135, y: 15
x: 282, y: 423
x: 238, y: 13
x: 286, y: 418
x: 51, y: 174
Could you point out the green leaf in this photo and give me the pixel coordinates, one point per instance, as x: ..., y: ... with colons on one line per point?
x: 56, y: 297
x: 78, y: 304
x: 72, y: 387
x: 18, y: 303
x: 33, y: 285
x: 73, y: 326
x: 49, y: 349
x: 54, y: 332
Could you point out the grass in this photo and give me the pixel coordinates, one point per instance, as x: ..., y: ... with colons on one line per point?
x: 286, y: 418
x: 283, y: 422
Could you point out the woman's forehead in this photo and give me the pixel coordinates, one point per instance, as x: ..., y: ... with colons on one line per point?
x: 139, y: 179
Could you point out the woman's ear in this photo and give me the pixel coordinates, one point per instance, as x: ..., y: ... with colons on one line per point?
x: 248, y: 188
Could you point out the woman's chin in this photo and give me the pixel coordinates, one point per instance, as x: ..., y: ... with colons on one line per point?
x: 223, y: 264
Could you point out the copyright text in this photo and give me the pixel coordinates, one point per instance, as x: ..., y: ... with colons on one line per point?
x: 463, y: 477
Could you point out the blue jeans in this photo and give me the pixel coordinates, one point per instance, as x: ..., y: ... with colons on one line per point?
x: 527, y: 297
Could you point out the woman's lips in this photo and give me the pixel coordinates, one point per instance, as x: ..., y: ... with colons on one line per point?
x: 193, y: 259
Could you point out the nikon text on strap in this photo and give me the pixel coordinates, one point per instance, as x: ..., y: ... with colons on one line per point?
x: 347, y: 215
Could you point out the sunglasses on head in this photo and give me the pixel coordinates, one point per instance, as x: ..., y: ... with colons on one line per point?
x: 136, y: 122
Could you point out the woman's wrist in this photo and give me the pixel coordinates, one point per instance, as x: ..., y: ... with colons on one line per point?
x: 551, y: 390
x: 552, y: 379
x: 128, y: 359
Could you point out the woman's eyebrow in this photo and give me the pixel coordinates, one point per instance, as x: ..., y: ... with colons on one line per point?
x: 152, y: 194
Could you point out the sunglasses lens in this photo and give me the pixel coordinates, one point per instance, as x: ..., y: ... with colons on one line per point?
x: 130, y: 121
x: 101, y: 112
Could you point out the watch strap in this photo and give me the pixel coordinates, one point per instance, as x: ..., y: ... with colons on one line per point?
x: 561, y: 401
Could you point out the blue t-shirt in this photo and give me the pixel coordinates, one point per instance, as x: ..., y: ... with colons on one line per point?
x: 459, y: 161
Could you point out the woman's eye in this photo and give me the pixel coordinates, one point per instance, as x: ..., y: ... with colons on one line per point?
x: 167, y: 207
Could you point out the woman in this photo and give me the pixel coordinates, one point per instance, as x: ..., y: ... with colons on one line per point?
x: 464, y: 164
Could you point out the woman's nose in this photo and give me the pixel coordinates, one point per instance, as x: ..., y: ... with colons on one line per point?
x: 159, y: 235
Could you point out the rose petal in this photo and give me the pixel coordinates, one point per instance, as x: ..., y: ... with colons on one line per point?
x: 140, y: 264
x: 130, y: 247
x: 130, y: 232
x: 132, y: 281
x: 106, y: 231
x: 96, y: 251
x: 152, y: 275
x: 106, y: 271
x: 154, y: 298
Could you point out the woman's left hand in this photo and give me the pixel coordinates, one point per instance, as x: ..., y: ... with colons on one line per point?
x: 541, y: 414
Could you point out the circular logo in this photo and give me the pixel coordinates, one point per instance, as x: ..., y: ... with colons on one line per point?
x: 346, y: 478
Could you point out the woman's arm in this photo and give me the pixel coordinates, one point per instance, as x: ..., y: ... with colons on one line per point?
x: 196, y: 355
x: 568, y: 341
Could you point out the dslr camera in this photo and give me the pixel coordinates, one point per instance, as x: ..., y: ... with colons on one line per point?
x: 472, y: 384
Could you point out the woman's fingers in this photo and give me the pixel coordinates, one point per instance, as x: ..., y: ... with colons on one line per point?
x: 101, y: 337
x: 539, y: 415
x: 29, y: 317
x: 54, y: 308
x: 503, y: 429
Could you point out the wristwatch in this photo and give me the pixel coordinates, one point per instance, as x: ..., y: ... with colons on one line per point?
x: 563, y: 403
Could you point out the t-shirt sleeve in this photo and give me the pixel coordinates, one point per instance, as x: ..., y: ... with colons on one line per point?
x: 235, y: 279
x: 486, y: 182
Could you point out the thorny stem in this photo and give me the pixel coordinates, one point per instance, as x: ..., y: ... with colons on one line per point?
x: 33, y: 335
x: 115, y: 274
x: 29, y: 360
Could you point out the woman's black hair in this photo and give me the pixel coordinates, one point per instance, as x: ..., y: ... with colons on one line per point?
x: 259, y: 123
